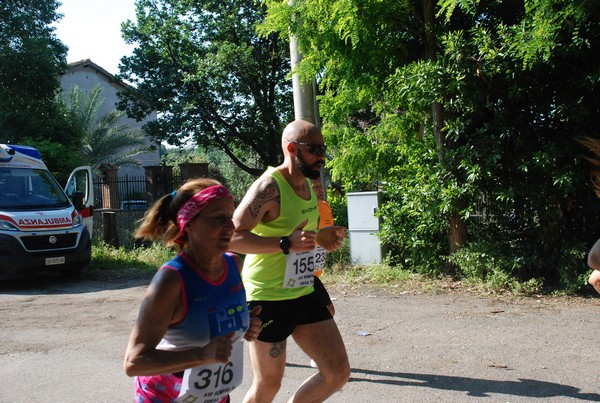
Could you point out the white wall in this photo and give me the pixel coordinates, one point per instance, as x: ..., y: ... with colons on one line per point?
x: 87, y: 75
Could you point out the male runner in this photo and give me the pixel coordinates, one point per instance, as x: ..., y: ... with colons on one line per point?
x: 276, y: 224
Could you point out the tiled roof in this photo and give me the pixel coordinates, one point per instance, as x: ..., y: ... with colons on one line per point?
x: 90, y: 64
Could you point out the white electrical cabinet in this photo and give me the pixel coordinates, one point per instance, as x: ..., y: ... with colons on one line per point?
x: 363, y: 228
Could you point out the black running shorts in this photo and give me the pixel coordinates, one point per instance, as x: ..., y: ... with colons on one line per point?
x: 322, y: 292
x: 280, y: 318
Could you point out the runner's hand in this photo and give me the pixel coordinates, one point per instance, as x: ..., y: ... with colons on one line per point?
x: 219, y: 349
x: 331, y: 238
x: 301, y: 240
x: 255, y: 325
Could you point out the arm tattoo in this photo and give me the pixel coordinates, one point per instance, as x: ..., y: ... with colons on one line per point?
x: 277, y: 350
x: 264, y: 193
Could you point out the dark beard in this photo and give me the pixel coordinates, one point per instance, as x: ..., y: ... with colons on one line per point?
x: 307, y: 170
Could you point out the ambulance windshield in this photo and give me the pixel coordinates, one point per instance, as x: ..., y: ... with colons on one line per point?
x: 30, y: 189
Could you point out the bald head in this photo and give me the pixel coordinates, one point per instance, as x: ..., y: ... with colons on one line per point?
x: 300, y: 130
x: 303, y: 149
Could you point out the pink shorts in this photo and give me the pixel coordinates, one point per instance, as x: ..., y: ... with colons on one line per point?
x: 159, y: 389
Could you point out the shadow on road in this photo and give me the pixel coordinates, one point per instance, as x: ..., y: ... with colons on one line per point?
x: 472, y: 386
x: 477, y: 387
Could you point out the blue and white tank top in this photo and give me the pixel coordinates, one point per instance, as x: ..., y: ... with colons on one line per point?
x: 212, y: 308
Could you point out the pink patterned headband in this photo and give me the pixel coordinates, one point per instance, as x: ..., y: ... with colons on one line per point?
x: 197, y: 203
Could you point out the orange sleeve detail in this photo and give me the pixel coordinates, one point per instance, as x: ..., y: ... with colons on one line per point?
x: 325, y: 214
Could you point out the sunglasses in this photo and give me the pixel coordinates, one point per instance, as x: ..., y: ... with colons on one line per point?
x: 313, y: 148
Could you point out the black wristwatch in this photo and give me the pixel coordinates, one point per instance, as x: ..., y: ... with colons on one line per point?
x: 284, y: 244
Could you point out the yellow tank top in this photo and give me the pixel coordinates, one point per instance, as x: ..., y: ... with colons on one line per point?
x: 263, y: 274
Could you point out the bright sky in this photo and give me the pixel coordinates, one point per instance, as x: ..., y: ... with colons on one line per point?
x: 92, y: 30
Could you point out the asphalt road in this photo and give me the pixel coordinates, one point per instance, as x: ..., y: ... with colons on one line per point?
x: 63, y: 341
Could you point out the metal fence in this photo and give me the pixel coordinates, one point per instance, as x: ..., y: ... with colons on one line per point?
x: 129, y: 197
x: 130, y: 191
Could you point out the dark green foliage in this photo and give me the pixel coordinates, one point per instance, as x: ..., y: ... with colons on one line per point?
x: 513, y: 84
x: 514, y: 128
x: 59, y: 158
x: 339, y: 209
x: 214, y: 80
x: 32, y: 58
x: 413, y: 224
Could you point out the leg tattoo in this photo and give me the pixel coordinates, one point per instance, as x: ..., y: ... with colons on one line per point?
x: 277, y: 349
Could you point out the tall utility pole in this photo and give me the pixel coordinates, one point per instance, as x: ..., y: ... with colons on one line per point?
x: 305, y: 100
x: 305, y: 105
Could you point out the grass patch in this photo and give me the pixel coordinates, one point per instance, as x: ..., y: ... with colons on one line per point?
x: 144, y: 259
x: 147, y: 259
x: 391, y: 278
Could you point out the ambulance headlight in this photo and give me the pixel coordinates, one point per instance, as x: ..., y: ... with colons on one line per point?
x: 77, y: 221
x: 7, y: 226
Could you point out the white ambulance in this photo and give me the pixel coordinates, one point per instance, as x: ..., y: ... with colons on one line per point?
x: 43, y: 227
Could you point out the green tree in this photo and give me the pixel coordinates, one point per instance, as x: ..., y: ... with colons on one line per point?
x: 534, y: 92
x: 103, y: 139
x: 461, y: 108
x: 201, y: 65
x: 32, y: 59
x: 220, y: 167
